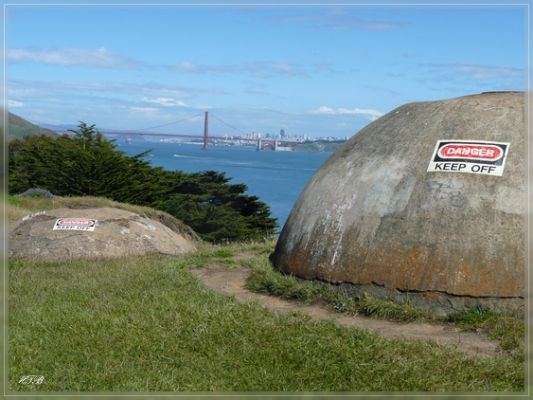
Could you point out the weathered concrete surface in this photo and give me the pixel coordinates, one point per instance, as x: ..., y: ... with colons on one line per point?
x: 372, y: 216
x: 118, y: 233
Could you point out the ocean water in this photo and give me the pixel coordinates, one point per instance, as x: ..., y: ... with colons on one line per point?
x: 277, y: 178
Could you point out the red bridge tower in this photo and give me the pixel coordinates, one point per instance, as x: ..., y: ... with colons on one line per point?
x: 206, y: 131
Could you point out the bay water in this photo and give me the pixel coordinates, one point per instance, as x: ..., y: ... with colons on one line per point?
x: 276, y: 178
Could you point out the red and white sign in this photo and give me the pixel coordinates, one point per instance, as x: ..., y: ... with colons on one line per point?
x: 74, y: 224
x: 487, y: 152
x: 469, y: 156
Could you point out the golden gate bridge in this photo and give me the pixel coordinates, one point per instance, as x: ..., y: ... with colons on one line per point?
x: 262, y: 143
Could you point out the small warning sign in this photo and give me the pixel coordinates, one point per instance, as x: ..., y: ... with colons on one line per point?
x: 74, y: 224
x: 469, y: 156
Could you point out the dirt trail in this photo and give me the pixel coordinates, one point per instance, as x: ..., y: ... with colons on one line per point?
x: 232, y: 281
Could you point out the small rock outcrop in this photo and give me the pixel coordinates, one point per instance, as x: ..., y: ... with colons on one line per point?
x: 38, y: 192
x: 66, y: 233
x: 422, y: 203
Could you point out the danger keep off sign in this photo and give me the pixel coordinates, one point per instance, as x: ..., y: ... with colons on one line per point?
x: 74, y: 224
x: 469, y: 156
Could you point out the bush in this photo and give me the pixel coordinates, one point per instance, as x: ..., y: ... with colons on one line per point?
x: 38, y: 193
x: 87, y: 164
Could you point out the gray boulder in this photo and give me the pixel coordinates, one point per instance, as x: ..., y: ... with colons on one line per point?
x: 38, y: 192
x: 375, y: 220
x: 116, y: 233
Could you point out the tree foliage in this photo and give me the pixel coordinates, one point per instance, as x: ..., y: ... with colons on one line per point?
x: 87, y: 163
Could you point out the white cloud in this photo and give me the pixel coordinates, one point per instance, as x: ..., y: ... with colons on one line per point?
x: 262, y: 69
x: 324, y: 110
x: 165, y: 101
x: 72, y: 56
x: 467, y: 77
x: 196, y: 118
x: 30, y: 88
x: 14, y: 103
x: 144, y: 110
x: 340, y: 19
x: 188, y: 66
x: 203, y: 106
x: 364, y: 112
x: 477, y: 71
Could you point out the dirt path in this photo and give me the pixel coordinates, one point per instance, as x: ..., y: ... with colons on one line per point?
x: 232, y: 281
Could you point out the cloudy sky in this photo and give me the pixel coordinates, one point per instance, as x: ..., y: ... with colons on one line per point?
x: 316, y: 70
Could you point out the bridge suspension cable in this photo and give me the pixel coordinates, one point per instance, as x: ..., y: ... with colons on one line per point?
x: 188, y: 119
x: 228, y: 125
x: 169, y: 123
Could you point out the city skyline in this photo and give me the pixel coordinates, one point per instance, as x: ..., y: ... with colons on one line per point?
x: 313, y: 70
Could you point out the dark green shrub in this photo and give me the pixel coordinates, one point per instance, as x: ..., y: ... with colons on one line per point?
x: 88, y: 164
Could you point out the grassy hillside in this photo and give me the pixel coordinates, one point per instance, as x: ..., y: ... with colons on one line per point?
x: 147, y: 324
x: 18, y: 127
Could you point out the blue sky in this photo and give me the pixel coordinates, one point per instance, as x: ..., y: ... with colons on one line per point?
x: 315, y: 70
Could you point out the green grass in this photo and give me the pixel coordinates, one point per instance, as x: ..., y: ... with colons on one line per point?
x: 14, y: 200
x: 508, y: 330
x: 264, y: 279
x: 146, y: 324
x: 208, y: 254
x: 223, y: 253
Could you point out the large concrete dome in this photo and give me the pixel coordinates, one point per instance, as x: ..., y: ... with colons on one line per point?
x: 375, y: 217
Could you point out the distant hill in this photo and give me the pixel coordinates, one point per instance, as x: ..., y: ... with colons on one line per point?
x: 18, y: 127
x: 59, y: 128
x: 318, y: 146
